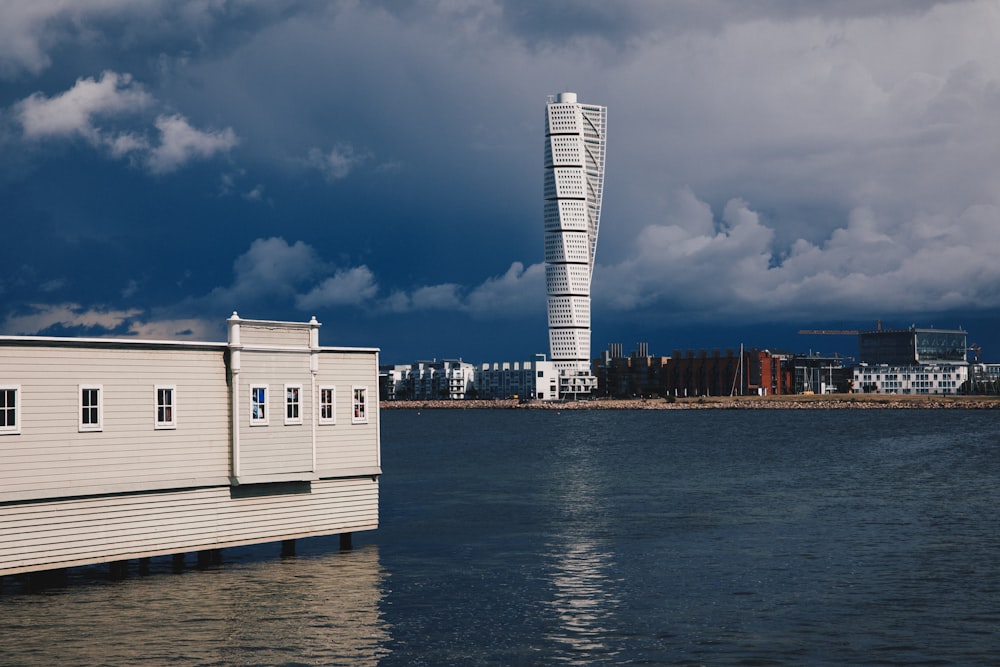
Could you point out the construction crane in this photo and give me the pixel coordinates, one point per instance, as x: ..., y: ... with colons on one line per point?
x: 837, y: 332
x: 976, y: 349
x: 829, y: 332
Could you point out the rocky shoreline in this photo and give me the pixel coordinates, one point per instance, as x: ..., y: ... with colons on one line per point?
x: 827, y: 402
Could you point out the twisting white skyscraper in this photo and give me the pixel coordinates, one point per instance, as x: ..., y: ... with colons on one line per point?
x: 575, y: 143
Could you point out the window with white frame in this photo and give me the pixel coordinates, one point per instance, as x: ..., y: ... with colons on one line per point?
x: 327, y: 405
x: 359, y: 415
x: 258, y: 405
x: 166, y: 406
x: 91, y: 407
x: 293, y: 404
x: 10, y: 409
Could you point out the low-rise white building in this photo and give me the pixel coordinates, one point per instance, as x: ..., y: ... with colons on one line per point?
x: 535, y: 379
x: 917, y: 379
x: 122, y: 448
x: 448, y: 379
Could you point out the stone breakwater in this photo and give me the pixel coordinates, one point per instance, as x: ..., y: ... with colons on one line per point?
x: 832, y: 402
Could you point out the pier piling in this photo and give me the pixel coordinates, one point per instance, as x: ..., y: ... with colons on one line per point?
x: 287, y: 548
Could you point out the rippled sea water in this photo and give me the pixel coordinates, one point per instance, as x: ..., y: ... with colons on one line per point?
x: 594, y: 538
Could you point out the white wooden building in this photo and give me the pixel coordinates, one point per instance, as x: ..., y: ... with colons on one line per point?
x: 910, y: 379
x: 112, y: 449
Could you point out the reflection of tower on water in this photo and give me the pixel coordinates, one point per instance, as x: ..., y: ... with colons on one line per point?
x: 583, y: 599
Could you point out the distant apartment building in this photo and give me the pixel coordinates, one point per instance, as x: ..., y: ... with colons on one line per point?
x: 911, y: 347
x: 816, y: 374
x: 450, y: 379
x: 536, y: 379
x: 702, y: 373
x: 912, y: 379
x: 911, y: 361
x: 751, y: 372
x: 984, y: 378
x: 636, y: 375
x: 575, y: 142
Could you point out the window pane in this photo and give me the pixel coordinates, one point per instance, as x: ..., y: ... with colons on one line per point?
x: 259, y: 403
x: 292, y: 402
x: 8, y: 408
x: 89, y: 399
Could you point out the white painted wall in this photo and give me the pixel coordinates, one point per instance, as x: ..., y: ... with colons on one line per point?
x: 129, y: 490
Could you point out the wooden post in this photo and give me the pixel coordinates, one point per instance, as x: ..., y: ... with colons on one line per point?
x: 118, y: 569
x: 345, y: 541
x: 178, y: 562
x: 287, y: 548
x: 208, y: 557
x: 144, y: 566
x: 48, y: 578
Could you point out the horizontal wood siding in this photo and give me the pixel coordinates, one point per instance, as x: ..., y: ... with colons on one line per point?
x: 132, y: 490
x: 70, y: 532
x: 346, y: 446
x: 275, y: 448
x: 278, y: 335
x: 50, y: 458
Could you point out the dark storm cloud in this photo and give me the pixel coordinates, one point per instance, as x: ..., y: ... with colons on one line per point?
x: 34, y: 34
x: 767, y: 160
x: 625, y: 25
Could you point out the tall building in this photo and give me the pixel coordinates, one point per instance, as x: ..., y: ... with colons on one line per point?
x: 913, y: 346
x: 575, y: 141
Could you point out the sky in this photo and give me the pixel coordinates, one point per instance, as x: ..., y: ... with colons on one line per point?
x: 772, y: 166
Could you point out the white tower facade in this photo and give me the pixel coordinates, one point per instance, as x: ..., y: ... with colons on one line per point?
x: 575, y: 141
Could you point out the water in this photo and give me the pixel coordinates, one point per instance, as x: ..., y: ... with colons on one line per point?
x: 595, y: 538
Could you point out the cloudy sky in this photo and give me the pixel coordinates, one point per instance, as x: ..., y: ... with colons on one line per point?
x: 773, y: 165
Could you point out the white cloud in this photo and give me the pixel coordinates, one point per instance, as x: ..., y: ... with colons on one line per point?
x: 872, y: 265
x: 31, y: 30
x: 446, y: 296
x: 74, y: 112
x: 255, y: 194
x: 180, y: 143
x: 53, y: 285
x: 68, y: 315
x: 345, y: 287
x: 517, y: 291
x: 82, y: 110
x: 337, y: 163
x: 509, y: 296
x: 199, y: 329
x: 271, y: 267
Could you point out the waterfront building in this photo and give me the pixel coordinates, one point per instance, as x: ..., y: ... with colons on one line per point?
x: 751, y: 372
x: 449, y: 379
x: 116, y: 449
x: 575, y: 143
x: 816, y: 374
x: 535, y: 379
x: 638, y: 375
x: 392, y: 382
x: 984, y: 379
x: 912, y: 347
x: 910, y: 379
x: 911, y: 361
